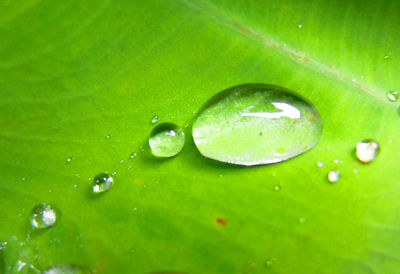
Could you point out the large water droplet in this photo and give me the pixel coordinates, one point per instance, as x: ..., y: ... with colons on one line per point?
x: 367, y: 150
x: 393, y: 96
x: 254, y: 124
x: 64, y: 269
x: 166, y: 140
x: 102, y: 182
x: 42, y: 216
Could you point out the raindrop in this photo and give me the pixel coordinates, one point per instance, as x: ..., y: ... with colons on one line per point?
x: 333, y: 176
x: 392, y: 96
x: 42, y: 216
x: 102, y: 182
x: 276, y: 123
x: 367, y: 150
x: 166, y: 140
x: 154, y: 120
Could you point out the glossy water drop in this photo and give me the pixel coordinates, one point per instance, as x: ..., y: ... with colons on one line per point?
x: 102, y: 182
x: 64, y: 269
x: 133, y: 155
x: 42, y: 216
x: 393, y: 96
x: 154, y: 120
x: 269, y: 262
x: 277, y: 187
x: 387, y: 55
x: 166, y: 140
x: 320, y: 164
x: 367, y: 150
x: 255, y: 124
x: 333, y: 176
x: 108, y: 136
x: 69, y: 159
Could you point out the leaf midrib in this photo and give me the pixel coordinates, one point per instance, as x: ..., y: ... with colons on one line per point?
x: 283, y: 49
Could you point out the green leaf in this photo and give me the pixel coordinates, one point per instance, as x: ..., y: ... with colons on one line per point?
x: 74, y: 72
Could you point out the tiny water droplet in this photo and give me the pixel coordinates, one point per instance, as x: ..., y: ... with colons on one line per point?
x: 75, y: 186
x: 22, y: 178
x: 336, y: 161
x: 320, y: 164
x: 392, y: 95
x: 42, y: 216
x: 300, y: 25
x: 355, y: 170
x: 114, y: 173
x: 333, y: 176
x: 121, y: 161
x: 133, y: 155
x: 387, y: 55
x: 108, y: 136
x: 102, y: 182
x: 302, y: 220
x: 269, y: 262
x: 277, y: 187
x: 289, y: 125
x: 63, y: 269
x: 166, y: 140
x: 154, y: 120
x: 367, y: 150
x: 3, y: 245
x: 69, y: 159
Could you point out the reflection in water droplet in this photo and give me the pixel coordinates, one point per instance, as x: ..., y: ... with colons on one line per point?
x: 133, y: 155
x: 64, y: 269
x: 69, y: 159
x: 166, y: 140
x: 333, y: 176
x: 393, y: 96
x: 102, y: 182
x: 367, y: 150
x: 300, y: 25
x: 255, y: 124
x: 154, y: 119
x: 108, y: 136
x: 42, y: 216
x: 320, y: 164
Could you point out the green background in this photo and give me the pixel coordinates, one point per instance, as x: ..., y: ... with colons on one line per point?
x: 72, y: 72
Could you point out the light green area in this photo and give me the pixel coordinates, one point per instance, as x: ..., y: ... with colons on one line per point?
x: 253, y: 124
x: 73, y: 72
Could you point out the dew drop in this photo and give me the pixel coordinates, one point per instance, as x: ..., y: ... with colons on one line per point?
x: 133, y: 155
x: 277, y: 187
x: 42, y: 216
x: 300, y: 25
x: 387, y: 55
x: 102, y: 182
x: 69, y: 159
x: 333, y: 176
x: 64, y: 269
x: 367, y: 150
x: 154, y: 120
x: 108, y: 136
x: 269, y: 262
x: 320, y: 164
x: 392, y: 96
x: 228, y: 126
x: 166, y: 140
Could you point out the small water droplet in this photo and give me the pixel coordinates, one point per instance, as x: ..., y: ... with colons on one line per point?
x: 300, y: 25
x: 42, y: 216
x: 392, y: 95
x: 121, y: 161
x: 74, y: 185
x: 277, y: 187
x: 102, y: 182
x: 108, y: 136
x: 69, y: 159
x: 336, y: 161
x: 166, y: 140
x: 63, y: 269
x: 355, y: 170
x: 320, y: 164
x: 302, y: 220
x: 3, y: 245
x: 288, y: 124
x: 154, y: 120
x: 114, y: 173
x: 22, y: 178
x: 367, y: 150
x: 387, y: 55
x: 354, y: 80
x: 333, y: 176
x: 133, y: 155
x: 269, y: 262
